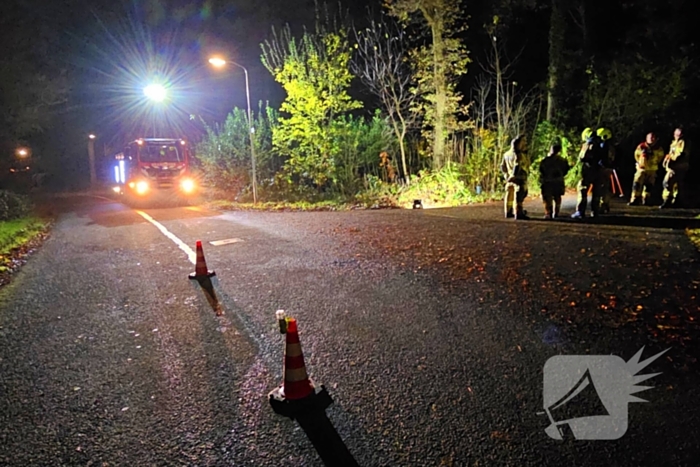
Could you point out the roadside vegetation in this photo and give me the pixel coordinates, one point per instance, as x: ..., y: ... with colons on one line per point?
x: 414, y: 135
x: 19, y: 227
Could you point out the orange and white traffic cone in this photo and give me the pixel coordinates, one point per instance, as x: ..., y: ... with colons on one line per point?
x: 297, y: 394
x: 200, y: 269
x: 297, y: 384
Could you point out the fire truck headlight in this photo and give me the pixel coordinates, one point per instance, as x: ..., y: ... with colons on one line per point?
x: 141, y: 187
x: 187, y: 185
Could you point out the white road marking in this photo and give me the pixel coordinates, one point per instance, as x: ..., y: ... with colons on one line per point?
x: 182, y: 245
x: 226, y: 242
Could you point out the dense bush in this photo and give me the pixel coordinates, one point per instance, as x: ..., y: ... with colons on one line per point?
x: 13, y: 206
x: 224, y: 152
x: 445, y: 187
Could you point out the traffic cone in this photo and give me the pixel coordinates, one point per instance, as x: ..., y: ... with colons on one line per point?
x: 297, y: 395
x: 296, y: 382
x: 200, y: 269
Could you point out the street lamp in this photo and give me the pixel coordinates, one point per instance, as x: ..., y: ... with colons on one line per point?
x: 22, y: 152
x: 91, y: 159
x: 155, y: 92
x: 220, y: 63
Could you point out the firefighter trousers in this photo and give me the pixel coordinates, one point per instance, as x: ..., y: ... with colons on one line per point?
x: 590, y: 179
x: 643, y: 185
x: 516, y: 193
x: 674, y: 186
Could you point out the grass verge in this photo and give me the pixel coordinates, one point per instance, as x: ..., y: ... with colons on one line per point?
x: 15, y: 234
x: 694, y: 235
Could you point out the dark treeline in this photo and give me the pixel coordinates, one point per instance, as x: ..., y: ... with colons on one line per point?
x: 546, y: 68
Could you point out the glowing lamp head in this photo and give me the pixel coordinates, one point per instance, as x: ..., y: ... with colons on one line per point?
x: 22, y: 152
x: 218, y: 62
x: 92, y: 136
x: 155, y: 92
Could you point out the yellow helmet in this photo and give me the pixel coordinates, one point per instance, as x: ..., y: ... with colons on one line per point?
x: 586, y: 134
x: 604, y: 134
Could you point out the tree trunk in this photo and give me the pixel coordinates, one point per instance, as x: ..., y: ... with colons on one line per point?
x: 440, y: 84
x: 402, y: 146
x: 557, y: 37
x: 400, y: 132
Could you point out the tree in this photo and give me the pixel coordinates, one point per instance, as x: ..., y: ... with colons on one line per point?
x: 501, y: 111
x: 381, y: 64
x: 33, y: 83
x: 438, y: 65
x: 629, y: 93
x: 224, y: 151
x: 315, y: 73
x: 557, y: 60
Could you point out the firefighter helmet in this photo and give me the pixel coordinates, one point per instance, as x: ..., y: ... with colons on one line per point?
x: 586, y: 134
x: 604, y: 134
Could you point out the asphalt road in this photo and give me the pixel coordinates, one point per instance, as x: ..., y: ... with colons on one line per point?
x: 430, y: 328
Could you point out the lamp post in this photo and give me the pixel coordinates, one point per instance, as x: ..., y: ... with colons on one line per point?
x: 219, y: 63
x: 91, y: 159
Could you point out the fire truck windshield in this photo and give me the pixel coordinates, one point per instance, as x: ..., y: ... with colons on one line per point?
x: 161, y: 153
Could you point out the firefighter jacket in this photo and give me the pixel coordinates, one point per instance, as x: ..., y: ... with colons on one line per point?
x: 648, y: 157
x: 515, y: 166
x: 678, y: 157
x: 607, y: 155
x: 553, y: 169
x: 592, y: 155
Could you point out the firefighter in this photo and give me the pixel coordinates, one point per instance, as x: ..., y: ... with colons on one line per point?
x: 648, y: 156
x: 606, y: 170
x: 591, y: 159
x: 676, y: 163
x: 515, y: 169
x: 553, y: 169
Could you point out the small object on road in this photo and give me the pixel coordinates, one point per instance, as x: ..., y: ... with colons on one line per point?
x: 417, y: 204
x: 200, y: 270
x: 227, y: 241
x: 282, y: 320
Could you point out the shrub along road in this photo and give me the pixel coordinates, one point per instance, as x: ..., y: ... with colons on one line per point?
x: 430, y: 328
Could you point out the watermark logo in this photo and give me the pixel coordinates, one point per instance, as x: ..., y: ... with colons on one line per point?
x: 587, y: 396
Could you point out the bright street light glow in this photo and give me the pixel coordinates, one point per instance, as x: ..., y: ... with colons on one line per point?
x: 155, y: 92
x: 217, y: 62
x: 22, y: 152
x: 91, y: 136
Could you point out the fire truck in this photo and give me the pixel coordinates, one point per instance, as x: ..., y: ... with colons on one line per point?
x: 154, y: 168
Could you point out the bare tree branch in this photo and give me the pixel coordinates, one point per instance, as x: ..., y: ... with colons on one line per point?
x: 381, y: 64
